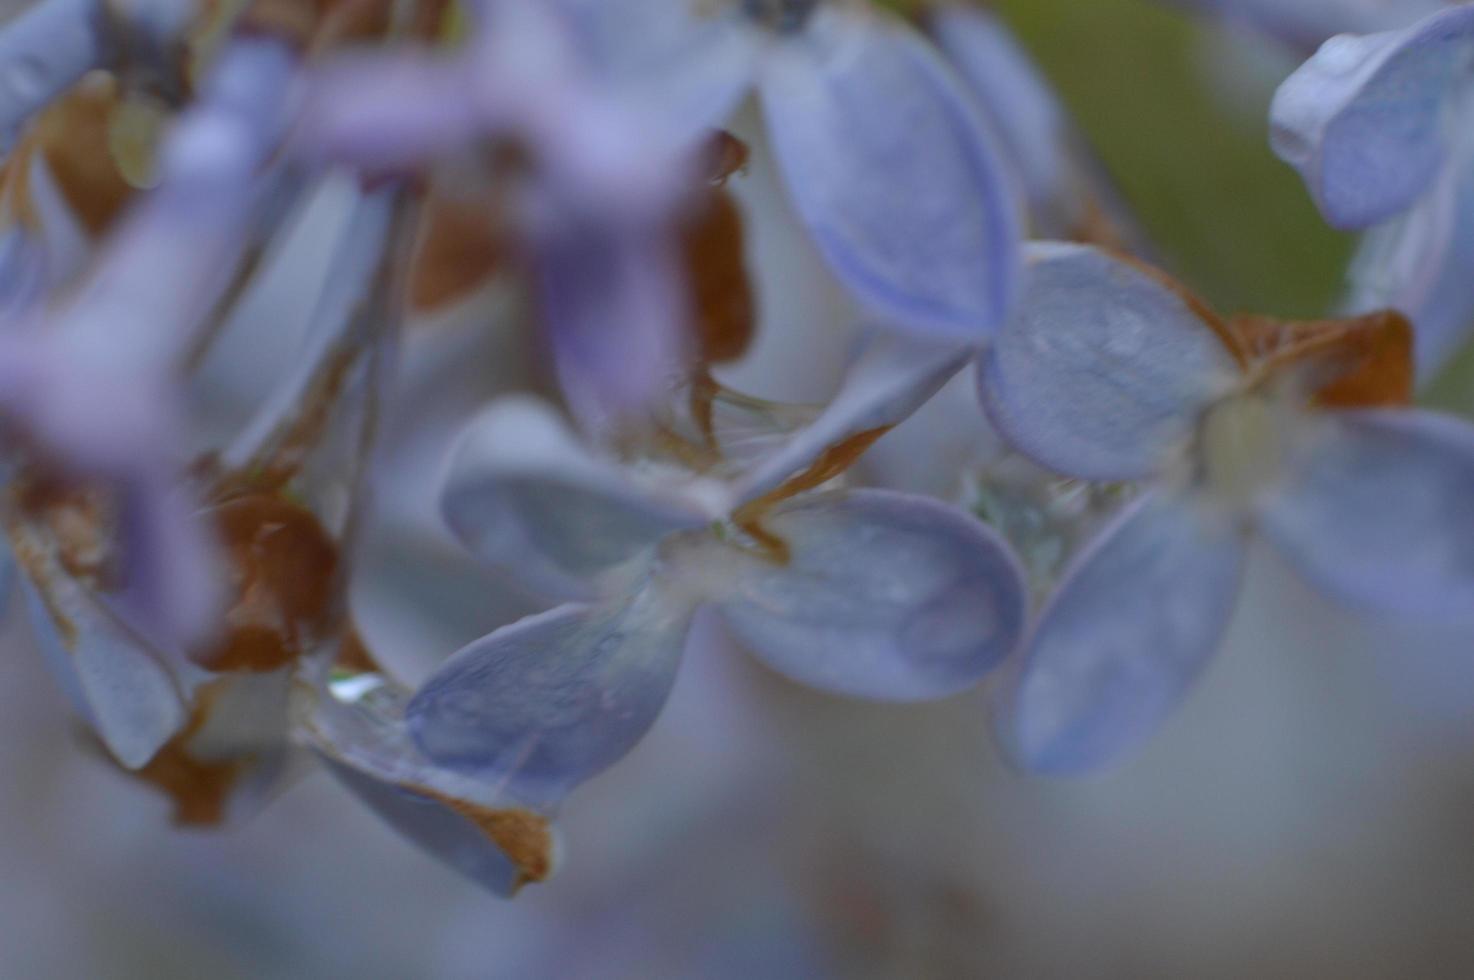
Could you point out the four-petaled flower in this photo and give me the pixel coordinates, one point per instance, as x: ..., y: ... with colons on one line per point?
x: 1296, y: 432
x: 866, y: 593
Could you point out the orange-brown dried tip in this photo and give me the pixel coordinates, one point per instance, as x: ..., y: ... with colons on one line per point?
x: 282, y: 568
x: 1359, y: 362
x: 723, y: 310
x: 200, y: 790
x: 525, y: 837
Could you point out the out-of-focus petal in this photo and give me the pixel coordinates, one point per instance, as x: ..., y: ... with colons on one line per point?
x: 171, y: 590
x: 118, y: 436
x: 358, y: 253
x: 1368, y: 120
x: 1133, y: 622
x: 358, y: 729
x: 611, y: 300
x: 1380, y: 512
x: 523, y: 492
x: 1026, y: 115
x: 895, y: 173
x: 1418, y: 262
x: 387, y: 111
x: 1103, y: 367
x: 884, y: 595
x: 555, y: 698
x: 688, y: 62
x: 117, y: 680
x: 890, y: 379
x: 44, y: 50
x: 174, y: 254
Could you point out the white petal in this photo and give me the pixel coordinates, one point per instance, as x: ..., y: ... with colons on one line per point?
x: 1103, y: 368
x: 1381, y: 512
x: 522, y: 491
x: 895, y: 173
x: 1131, y: 626
x: 885, y: 595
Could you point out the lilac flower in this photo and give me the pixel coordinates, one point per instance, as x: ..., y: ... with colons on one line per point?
x: 593, y: 200
x: 866, y: 593
x: 889, y: 163
x: 1110, y: 372
x: 1378, y: 127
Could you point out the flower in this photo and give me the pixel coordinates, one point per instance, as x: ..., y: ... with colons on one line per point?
x: 867, y: 593
x: 1378, y: 126
x: 1292, y: 431
x: 591, y: 188
x: 887, y: 159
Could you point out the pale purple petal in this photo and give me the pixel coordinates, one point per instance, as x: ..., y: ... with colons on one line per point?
x: 689, y: 63
x: 1024, y: 111
x: 432, y: 824
x: 164, y: 268
x: 885, y: 595
x: 171, y: 590
x: 1418, y: 262
x: 1103, y: 368
x: 890, y: 379
x: 1368, y: 121
x: 523, y: 492
x: 556, y: 698
x: 44, y: 50
x: 1380, y: 512
x: 1131, y: 626
x: 92, y: 424
x: 387, y: 111
x: 358, y: 729
x: 895, y: 173
x: 120, y: 683
x: 611, y: 300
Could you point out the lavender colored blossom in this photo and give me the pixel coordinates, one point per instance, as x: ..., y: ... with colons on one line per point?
x: 369, y: 405
x: 866, y: 593
x: 1227, y: 424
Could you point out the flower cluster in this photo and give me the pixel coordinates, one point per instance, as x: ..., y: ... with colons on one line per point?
x: 289, y: 283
